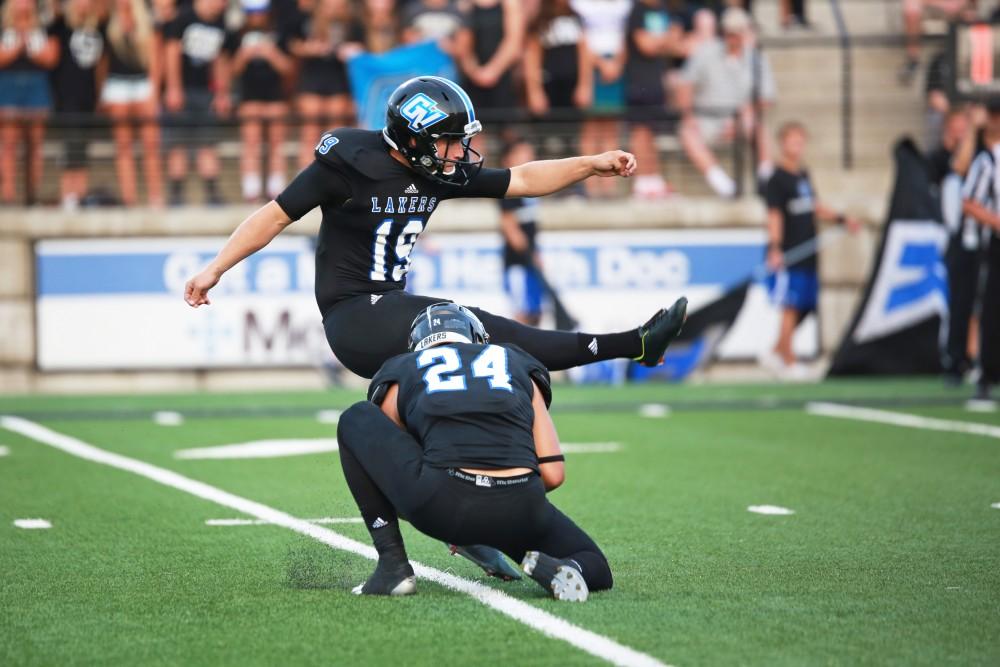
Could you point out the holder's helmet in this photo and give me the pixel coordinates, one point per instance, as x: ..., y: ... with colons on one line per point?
x: 446, y: 322
x: 425, y: 109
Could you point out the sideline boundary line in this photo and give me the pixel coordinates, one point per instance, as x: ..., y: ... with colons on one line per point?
x: 549, y: 625
x: 841, y: 411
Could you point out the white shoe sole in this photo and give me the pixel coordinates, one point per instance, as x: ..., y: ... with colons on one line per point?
x: 568, y: 585
x: 407, y: 586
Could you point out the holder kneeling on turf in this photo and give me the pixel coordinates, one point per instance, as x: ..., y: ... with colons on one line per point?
x: 457, y: 440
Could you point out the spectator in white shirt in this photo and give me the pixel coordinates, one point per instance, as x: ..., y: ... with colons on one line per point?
x: 720, y: 83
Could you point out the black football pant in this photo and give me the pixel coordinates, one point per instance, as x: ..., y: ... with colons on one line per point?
x: 963, y: 286
x: 989, y: 317
x: 365, y: 331
x: 385, y: 471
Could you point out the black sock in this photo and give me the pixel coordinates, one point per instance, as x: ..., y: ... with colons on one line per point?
x: 378, y: 513
x: 559, y: 350
x: 389, y: 542
x: 625, y: 344
x: 594, y: 568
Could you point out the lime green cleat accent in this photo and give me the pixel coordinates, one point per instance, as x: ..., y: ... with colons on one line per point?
x: 661, y: 329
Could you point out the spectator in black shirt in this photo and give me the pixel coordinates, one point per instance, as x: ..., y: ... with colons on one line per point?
x: 130, y: 95
x: 27, y: 54
x: 496, y: 28
x: 197, y: 93
x: 74, y: 82
x: 653, y: 36
x: 792, y: 210
x: 558, y: 78
x: 262, y: 63
x: 163, y: 13
x: 323, y: 41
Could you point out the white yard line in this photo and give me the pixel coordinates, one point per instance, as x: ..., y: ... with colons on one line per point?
x: 4, y: 451
x: 774, y: 510
x: 328, y: 416
x: 654, y: 410
x: 261, y: 522
x: 168, y: 418
x: 261, y: 449
x: 31, y: 524
x: 546, y: 623
x: 901, y: 419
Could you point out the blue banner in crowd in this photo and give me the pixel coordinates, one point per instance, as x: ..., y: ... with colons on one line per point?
x: 375, y: 75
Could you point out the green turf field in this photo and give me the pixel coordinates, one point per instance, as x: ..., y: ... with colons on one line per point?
x: 892, y: 555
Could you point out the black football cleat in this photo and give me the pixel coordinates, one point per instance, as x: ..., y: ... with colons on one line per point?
x: 389, y: 579
x: 489, y: 559
x: 661, y: 329
x: 561, y: 578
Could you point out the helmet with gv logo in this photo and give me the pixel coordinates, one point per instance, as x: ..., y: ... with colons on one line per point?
x: 425, y: 109
x: 445, y: 322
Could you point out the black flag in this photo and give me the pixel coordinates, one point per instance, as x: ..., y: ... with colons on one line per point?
x: 703, y: 331
x: 897, y: 328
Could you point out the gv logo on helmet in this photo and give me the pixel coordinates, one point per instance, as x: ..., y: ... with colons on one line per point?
x: 421, y: 112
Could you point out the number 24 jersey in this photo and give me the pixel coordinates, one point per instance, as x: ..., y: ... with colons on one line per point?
x: 469, y: 405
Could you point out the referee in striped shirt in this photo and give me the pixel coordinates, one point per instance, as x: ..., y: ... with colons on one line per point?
x: 981, y: 203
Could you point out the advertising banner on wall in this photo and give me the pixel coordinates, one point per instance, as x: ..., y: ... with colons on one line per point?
x: 117, y: 303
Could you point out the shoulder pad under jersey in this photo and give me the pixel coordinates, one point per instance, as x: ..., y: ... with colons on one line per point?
x: 362, y: 150
x: 536, y: 371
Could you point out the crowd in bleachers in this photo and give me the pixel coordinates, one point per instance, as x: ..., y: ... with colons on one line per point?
x: 167, y: 74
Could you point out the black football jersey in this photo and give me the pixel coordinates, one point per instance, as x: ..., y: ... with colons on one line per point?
x: 374, y: 209
x: 468, y: 405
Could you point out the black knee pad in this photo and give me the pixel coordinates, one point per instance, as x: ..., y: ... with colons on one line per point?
x: 354, y: 419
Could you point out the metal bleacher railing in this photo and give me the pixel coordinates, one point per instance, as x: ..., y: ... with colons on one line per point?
x: 558, y: 135
x: 843, y: 32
